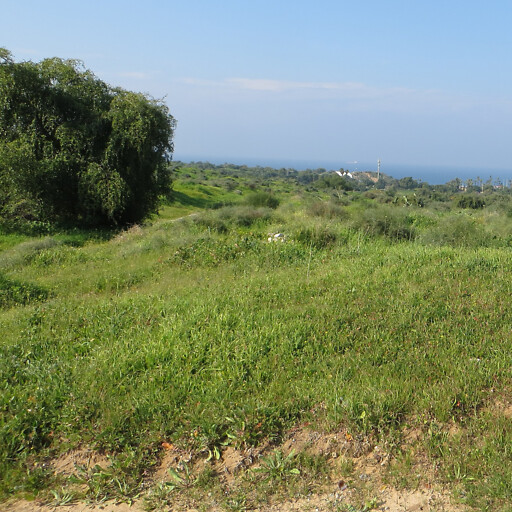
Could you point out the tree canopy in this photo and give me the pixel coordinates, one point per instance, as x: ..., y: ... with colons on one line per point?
x: 74, y: 149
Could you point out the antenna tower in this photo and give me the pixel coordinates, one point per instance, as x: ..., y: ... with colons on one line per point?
x: 378, y: 169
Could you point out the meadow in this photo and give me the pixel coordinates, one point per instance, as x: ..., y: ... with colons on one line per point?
x: 384, y: 312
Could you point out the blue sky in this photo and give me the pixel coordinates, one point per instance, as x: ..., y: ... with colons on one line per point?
x: 419, y: 83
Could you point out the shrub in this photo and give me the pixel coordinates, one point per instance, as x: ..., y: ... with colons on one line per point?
x: 327, y: 209
x: 318, y: 238
x: 394, y: 223
x: 212, y: 221
x: 456, y: 231
x: 244, y: 216
x: 258, y: 199
x: 235, y: 216
x: 470, y: 201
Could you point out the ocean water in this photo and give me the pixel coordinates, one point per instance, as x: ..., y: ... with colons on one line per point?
x: 433, y: 174
x: 437, y: 175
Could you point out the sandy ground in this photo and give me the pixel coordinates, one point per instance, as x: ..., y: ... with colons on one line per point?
x: 369, y: 462
x: 391, y: 501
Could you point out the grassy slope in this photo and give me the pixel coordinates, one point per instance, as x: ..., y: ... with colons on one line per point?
x: 176, y: 332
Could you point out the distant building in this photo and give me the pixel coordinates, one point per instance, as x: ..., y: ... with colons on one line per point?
x: 343, y: 174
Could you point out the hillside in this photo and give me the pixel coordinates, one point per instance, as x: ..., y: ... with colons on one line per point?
x: 359, y: 361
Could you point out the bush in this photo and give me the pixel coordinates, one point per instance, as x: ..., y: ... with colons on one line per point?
x: 334, y: 180
x: 457, y: 231
x: 212, y: 221
x: 258, y: 199
x: 245, y: 216
x: 392, y: 222
x: 470, y: 201
x: 327, y: 209
x: 235, y: 216
x: 318, y: 238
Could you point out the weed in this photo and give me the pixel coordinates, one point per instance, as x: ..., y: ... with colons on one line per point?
x: 159, y: 496
x: 276, y: 467
x: 237, y: 504
x: 110, y: 483
x: 346, y: 466
x: 312, y: 466
x: 63, y: 497
x: 367, y: 507
x: 182, y: 479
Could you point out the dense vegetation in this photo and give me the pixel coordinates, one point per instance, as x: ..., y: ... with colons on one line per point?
x: 75, y: 150
x: 383, y: 311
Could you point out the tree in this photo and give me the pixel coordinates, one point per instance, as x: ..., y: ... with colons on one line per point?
x: 454, y: 185
x: 335, y: 181
x: 380, y: 183
x: 470, y: 201
x: 74, y: 149
x: 408, y: 183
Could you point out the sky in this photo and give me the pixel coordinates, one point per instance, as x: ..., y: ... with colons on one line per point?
x: 327, y: 82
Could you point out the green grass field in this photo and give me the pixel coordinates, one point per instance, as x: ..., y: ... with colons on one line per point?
x: 374, y: 320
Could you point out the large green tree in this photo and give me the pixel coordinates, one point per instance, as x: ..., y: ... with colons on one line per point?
x: 72, y: 148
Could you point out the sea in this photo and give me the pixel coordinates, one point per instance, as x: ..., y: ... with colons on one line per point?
x: 432, y: 174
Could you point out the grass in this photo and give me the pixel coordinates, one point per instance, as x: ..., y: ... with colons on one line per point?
x: 207, y: 337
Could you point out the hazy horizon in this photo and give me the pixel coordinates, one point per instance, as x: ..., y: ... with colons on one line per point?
x: 433, y: 174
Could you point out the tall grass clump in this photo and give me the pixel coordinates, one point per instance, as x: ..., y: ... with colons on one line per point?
x: 25, y: 252
x: 18, y: 293
x: 457, y: 230
x: 258, y: 199
x: 392, y: 222
x: 212, y: 221
x: 240, y: 216
x: 316, y: 237
x: 211, y: 251
x: 327, y: 209
x: 498, y: 227
x: 246, y: 216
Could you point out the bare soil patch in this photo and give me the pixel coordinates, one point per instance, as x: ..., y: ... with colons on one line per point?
x: 368, y: 483
x: 390, y: 500
x: 67, y: 463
